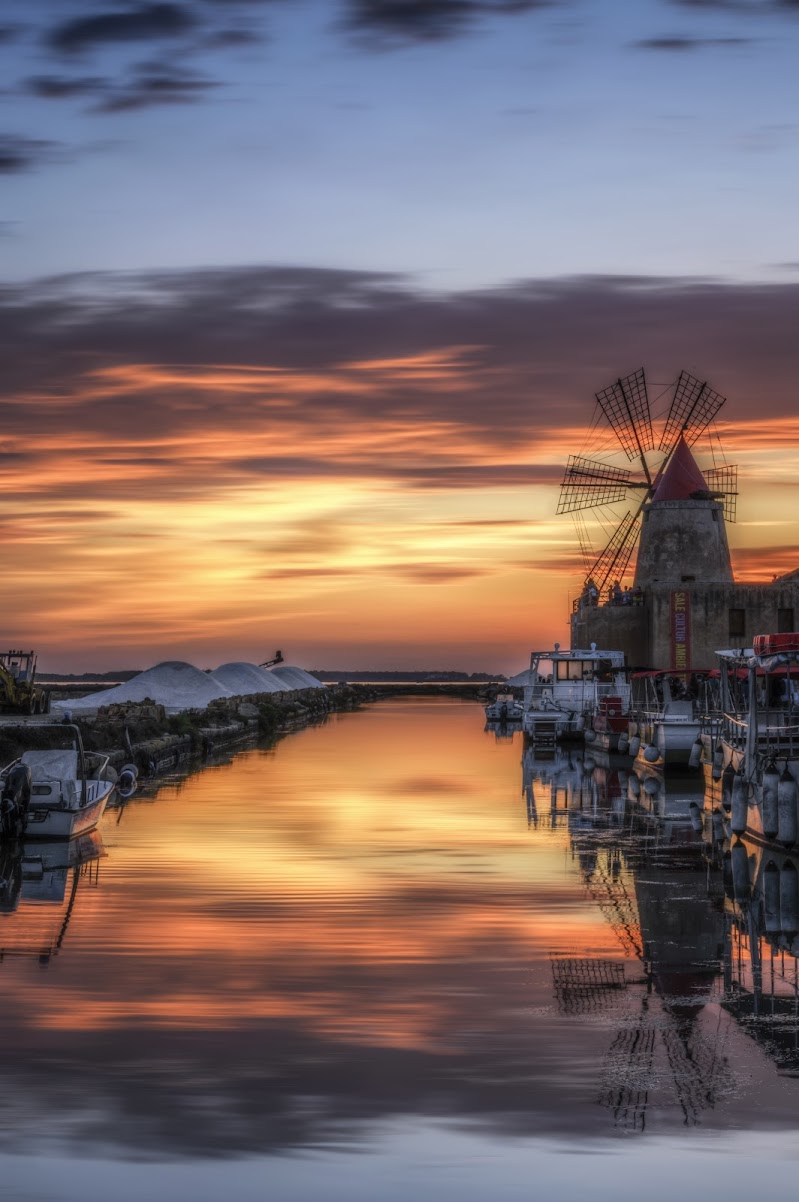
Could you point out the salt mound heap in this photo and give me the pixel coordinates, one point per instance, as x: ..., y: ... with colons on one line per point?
x: 174, y: 684
x: 297, y: 678
x: 243, y: 679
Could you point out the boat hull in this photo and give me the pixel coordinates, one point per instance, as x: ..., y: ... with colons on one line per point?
x: 50, y: 823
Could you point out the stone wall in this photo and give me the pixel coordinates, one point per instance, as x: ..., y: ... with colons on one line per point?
x: 644, y: 632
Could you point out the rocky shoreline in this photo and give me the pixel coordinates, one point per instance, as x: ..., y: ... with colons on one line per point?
x: 142, y: 733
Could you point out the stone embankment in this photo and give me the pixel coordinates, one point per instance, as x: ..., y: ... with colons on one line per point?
x: 143, y: 733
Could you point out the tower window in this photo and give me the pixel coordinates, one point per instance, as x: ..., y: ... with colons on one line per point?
x: 785, y: 624
x: 737, y: 623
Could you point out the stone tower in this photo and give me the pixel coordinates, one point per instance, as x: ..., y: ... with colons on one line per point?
x: 683, y: 535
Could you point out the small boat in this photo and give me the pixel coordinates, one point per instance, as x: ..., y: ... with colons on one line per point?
x: 756, y: 756
x: 560, y: 702
x: 54, y: 792
x: 504, y: 708
x: 668, y: 713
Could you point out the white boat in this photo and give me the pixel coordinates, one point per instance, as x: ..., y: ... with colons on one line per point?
x: 666, y: 715
x: 54, y: 792
x: 504, y: 708
x: 565, y: 688
x: 757, y: 752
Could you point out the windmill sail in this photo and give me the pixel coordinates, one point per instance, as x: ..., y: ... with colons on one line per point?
x: 588, y: 483
x: 625, y: 404
x: 724, y: 480
x: 692, y: 409
x: 613, y: 560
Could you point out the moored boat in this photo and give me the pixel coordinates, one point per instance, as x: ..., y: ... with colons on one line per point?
x: 565, y: 689
x: 668, y: 710
x: 54, y: 791
x: 757, y: 752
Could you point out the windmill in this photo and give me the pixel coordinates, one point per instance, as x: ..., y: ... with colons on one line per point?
x: 593, y: 484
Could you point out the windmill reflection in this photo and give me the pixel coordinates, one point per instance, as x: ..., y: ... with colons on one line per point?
x: 640, y: 846
x: 39, y: 886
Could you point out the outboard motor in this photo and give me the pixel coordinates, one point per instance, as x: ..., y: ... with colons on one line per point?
x: 15, y: 800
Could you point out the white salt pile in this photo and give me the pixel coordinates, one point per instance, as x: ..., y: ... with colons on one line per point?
x: 243, y: 679
x: 297, y: 678
x: 174, y: 684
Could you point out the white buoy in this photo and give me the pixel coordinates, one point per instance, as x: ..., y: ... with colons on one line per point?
x: 651, y: 753
x: 740, y: 803
x: 786, y: 810
x: 770, y: 784
x: 624, y: 743
x: 727, y: 777
x: 589, y: 736
x: 789, y: 900
x: 695, y: 758
x: 635, y: 743
x: 771, y: 898
x: 696, y: 816
x: 740, y: 871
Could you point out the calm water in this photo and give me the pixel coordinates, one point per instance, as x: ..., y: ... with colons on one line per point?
x: 392, y: 957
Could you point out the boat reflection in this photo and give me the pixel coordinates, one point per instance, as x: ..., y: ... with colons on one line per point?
x: 639, y: 843
x: 39, y: 885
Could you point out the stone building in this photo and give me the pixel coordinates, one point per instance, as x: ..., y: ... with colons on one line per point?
x: 685, y: 604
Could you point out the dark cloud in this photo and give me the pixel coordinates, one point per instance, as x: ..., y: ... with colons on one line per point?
x: 680, y: 43
x: 147, y: 86
x: 64, y: 87
x: 156, y: 85
x: 464, y: 390
x: 145, y: 22
x: 19, y: 154
x: 8, y: 33
x: 428, y: 20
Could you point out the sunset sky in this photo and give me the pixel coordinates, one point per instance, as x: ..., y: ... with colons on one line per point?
x: 305, y: 304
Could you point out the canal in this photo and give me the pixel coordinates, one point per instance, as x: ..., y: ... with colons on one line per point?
x: 393, y: 956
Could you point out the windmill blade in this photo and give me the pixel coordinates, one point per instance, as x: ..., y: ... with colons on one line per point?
x: 588, y: 483
x: 724, y: 480
x: 692, y: 409
x: 625, y: 404
x: 613, y: 560
x: 584, y: 540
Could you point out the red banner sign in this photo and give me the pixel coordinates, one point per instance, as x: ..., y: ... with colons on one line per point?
x: 680, y: 631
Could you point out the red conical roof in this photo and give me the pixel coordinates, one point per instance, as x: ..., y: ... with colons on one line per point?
x: 681, y: 478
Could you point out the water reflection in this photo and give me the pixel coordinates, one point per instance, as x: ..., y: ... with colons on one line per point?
x: 368, y: 925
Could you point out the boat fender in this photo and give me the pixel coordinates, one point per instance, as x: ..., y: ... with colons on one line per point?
x: 633, y: 729
x: 651, y: 786
x: 770, y: 785
x: 739, y: 862
x: 789, y: 899
x: 695, y: 758
x: 635, y: 744
x: 589, y: 763
x: 718, y: 826
x: 727, y: 778
x: 589, y: 736
x: 127, y: 783
x: 696, y: 816
x: 634, y: 786
x: 624, y: 743
x: 579, y: 722
x: 651, y: 753
x: 718, y: 762
x: 740, y: 803
x: 786, y: 810
x: 771, y: 898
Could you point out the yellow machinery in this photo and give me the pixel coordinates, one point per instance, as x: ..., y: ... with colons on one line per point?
x: 19, y: 694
